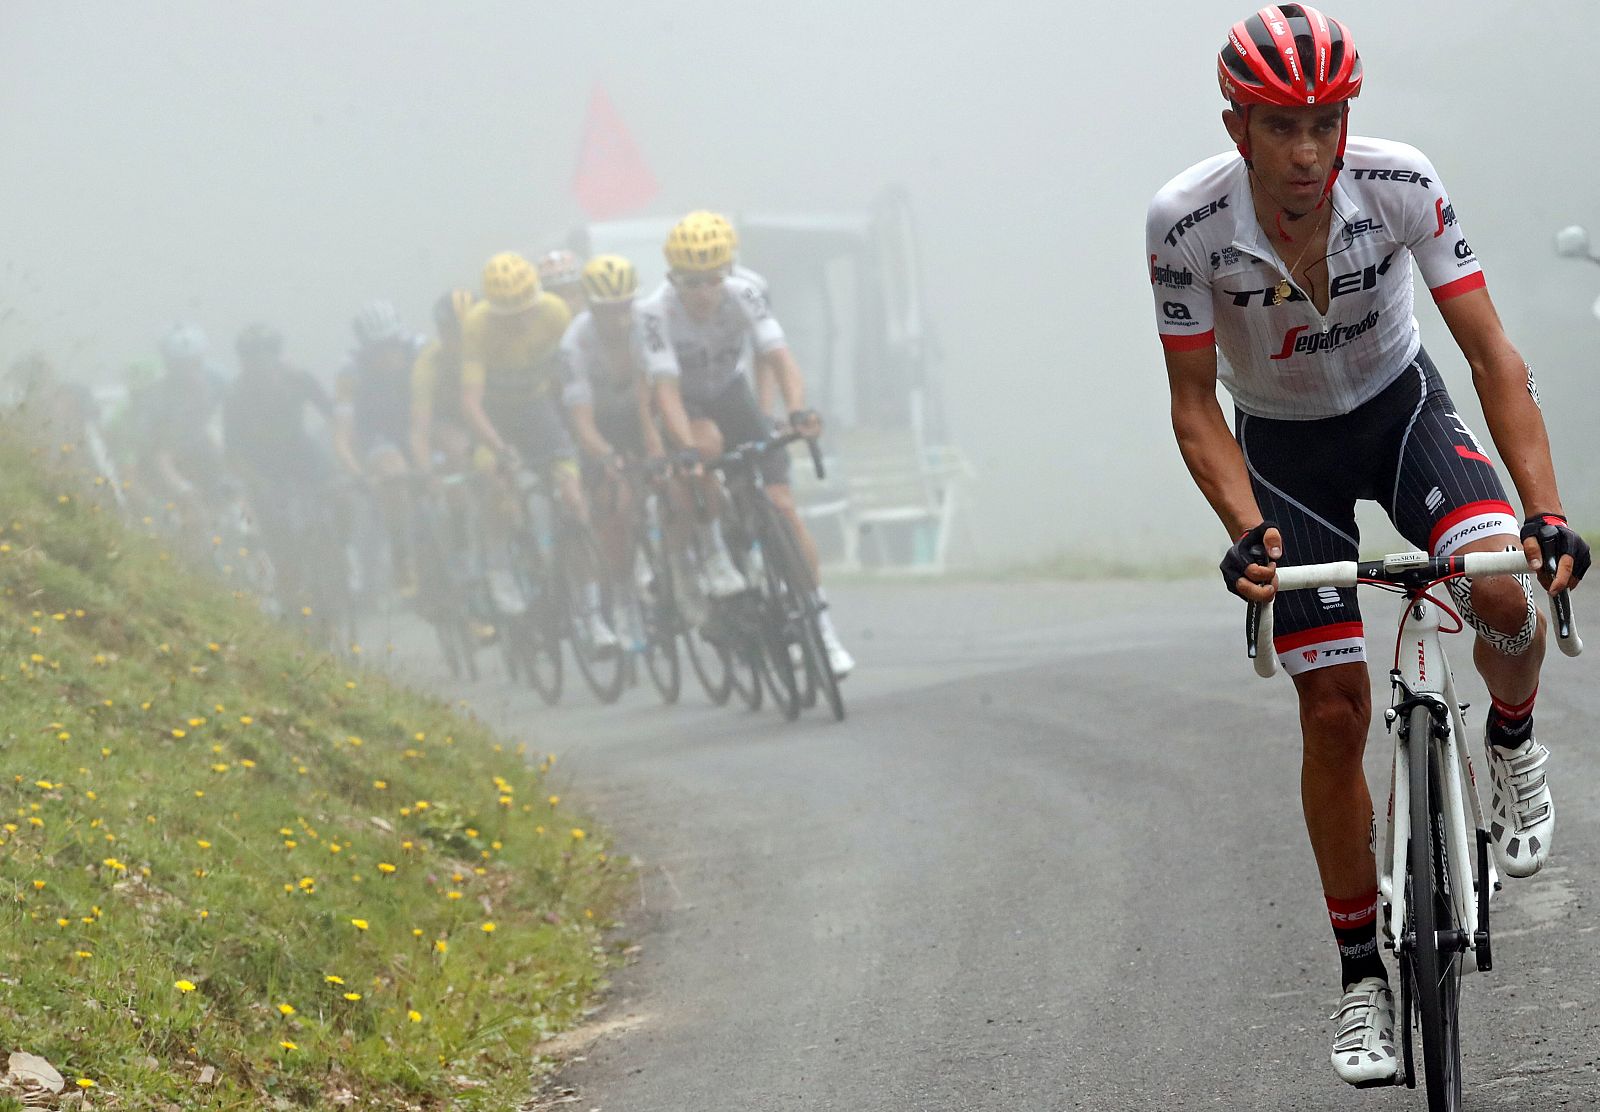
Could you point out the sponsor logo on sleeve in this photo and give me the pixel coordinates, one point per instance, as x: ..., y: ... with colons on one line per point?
x: 1463, y: 252
x: 1393, y: 175
x: 1170, y: 277
x: 1228, y: 256
x: 653, y: 339
x: 1300, y: 340
x: 1445, y: 213
x: 1204, y: 212
x: 1176, y: 311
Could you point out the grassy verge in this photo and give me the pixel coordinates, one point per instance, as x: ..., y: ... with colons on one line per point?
x: 235, y: 873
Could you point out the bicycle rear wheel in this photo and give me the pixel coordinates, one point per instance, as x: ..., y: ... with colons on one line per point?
x: 659, y: 605
x: 605, y: 671
x: 804, y: 612
x: 1438, y: 943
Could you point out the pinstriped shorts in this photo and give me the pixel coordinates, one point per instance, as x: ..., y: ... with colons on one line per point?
x: 1407, y: 450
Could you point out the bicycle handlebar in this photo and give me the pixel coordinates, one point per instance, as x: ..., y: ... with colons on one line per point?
x: 754, y: 448
x: 1407, y: 569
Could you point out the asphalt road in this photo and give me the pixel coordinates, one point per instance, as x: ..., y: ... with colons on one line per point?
x: 1053, y: 860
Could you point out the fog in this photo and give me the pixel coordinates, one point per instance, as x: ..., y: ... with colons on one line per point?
x: 286, y: 161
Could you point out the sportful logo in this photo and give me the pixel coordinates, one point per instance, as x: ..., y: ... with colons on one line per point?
x: 1169, y: 276
x: 1300, y: 340
x: 1434, y: 500
x: 1182, y: 227
x: 1354, y: 281
x: 1329, y: 597
x: 1393, y: 175
x: 1445, y: 214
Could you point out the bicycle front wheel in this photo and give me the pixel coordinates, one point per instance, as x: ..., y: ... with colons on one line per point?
x: 1438, y: 942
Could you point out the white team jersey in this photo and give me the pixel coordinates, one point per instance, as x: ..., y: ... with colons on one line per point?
x: 590, y: 374
x: 705, y: 355
x: 1215, y: 273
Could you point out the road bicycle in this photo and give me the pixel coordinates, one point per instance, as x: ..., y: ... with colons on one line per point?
x: 777, y: 624
x: 1436, y: 873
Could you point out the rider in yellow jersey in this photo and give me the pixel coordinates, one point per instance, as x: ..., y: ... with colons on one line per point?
x: 438, y: 423
x: 511, y: 395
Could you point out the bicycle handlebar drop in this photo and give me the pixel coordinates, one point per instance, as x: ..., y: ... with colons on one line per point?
x: 1414, y: 571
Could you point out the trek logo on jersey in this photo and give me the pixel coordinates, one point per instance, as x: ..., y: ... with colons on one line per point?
x: 1463, y: 252
x: 1354, y: 281
x: 1393, y: 175
x: 1181, y: 228
x: 1169, y: 276
x: 1228, y: 256
x: 1300, y: 340
x: 1445, y: 214
x: 1354, y: 231
x: 1176, y: 310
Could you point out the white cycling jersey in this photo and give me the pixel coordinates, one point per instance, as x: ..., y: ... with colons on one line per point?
x: 705, y: 356
x: 593, y: 374
x: 1215, y: 276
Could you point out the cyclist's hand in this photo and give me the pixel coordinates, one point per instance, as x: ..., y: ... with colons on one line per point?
x: 806, y: 422
x: 1250, y: 565
x: 1555, y: 551
x: 687, y: 461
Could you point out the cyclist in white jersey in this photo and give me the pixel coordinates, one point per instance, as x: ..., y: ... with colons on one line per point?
x: 693, y: 329
x: 1292, y: 257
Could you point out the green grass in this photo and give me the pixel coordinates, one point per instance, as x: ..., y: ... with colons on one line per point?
x: 189, y: 795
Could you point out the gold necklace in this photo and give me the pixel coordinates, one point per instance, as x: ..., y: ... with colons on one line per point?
x: 1282, y: 290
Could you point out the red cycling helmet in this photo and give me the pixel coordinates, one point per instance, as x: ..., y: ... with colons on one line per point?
x: 1290, y: 55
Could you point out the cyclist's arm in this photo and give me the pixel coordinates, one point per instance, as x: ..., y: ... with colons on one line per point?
x: 766, y: 387
x: 785, y: 372
x: 669, y: 402
x: 1502, y: 380
x: 654, y: 447
x: 472, y: 406
x: 588, y: 433
x: 1207, y: 444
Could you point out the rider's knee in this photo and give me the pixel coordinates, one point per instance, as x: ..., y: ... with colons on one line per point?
x: 1501, y: 610
x: 1335, y: 709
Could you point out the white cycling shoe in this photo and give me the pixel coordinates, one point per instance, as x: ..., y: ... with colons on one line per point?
x: 504, y: 593
x: 1522, y: 816
x: 839, y: 658
x: 630, y: 628
x: 721, y: 578
x: 1363, y: 1047
x: 601, y: 639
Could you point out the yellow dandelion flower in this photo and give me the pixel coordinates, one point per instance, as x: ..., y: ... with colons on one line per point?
x: 385, y: 867
x: 352, y: 996
x: 416, y: 932
x: 419, y: 737
x: 245, y: 720
x: 350, y: 685
x: 578, y: 835
x: 308, y: 883
x: 353, y: 740
x: 85, y: 1083
x: 63, y: 922
x: 480, y: 870
x: 538, y: 830
x: 38, y: 884
x: 359, y: 924
x: 203, y: 844
x: 414, y: 1016
x: 197, y: 721
x: 199, y: 794
x: 286, y: 1009
x: 553, y: 800
x: 471, y: 833
x: 289, y: 843
x: 82, y: 954
x: 287, y: 1045
x: 496, y: 845
x: 505, y: 801
x: 35, y: 820
x: 285, y: 831
x: 246, y: 762
x: 214, y: 647
x: 183, y: 986
x: 302, y: 770
x: 179, y: 733
x: 487, y: 928
x: 381, y: 785
x: 441, y: 945
x: 407, y: 844
x: 452, y: 895
x: 334, y: 979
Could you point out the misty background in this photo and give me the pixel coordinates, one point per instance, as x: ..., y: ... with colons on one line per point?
x: 225, y: 163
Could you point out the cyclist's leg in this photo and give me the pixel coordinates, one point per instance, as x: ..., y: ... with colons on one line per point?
x: 544, y: 441
x: 386, y: 465
x: 1446, y: 495
x: 1295, y: 470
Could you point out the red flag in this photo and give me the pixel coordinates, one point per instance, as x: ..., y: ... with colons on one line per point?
x: 612, y: 178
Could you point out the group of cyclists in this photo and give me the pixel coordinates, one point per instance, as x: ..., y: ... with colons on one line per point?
x: 561, y: 375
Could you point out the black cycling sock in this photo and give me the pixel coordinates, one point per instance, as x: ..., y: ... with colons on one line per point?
x: 1355, y: 929
x: 1510, y: 726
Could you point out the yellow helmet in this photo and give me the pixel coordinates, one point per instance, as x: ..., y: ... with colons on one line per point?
x: 610, y: 280
x: 700, y: 242
x: 510, y: 284
x: 733, y: 233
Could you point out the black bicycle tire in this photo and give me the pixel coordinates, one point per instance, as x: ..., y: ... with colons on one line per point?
x: 793, y: 565
x: 751, y: 688
x: 696, y: 647
x: 661, y: 624
x: 532, y: 641
x: 1437, y: 980
x: 607, y: 689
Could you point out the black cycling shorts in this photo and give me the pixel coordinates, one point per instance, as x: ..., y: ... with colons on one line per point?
x: 1406, y: 450
x: 738, y: 418
x: 538, y: 431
